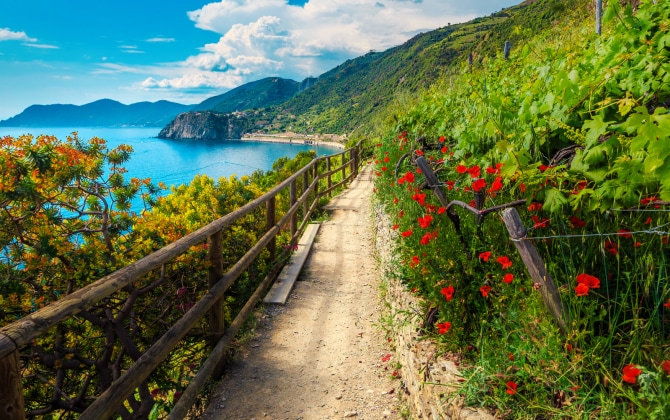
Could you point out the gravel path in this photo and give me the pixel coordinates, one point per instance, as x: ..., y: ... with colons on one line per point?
x: 324, y: 354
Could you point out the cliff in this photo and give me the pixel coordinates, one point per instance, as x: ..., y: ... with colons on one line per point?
x: 207, y: 126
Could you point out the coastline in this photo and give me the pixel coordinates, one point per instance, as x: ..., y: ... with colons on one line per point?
x: 290, y: 138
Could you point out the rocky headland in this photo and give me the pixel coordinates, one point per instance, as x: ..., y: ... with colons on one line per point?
x: 206, y: 125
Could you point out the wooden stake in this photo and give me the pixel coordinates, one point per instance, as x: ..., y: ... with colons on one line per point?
x: 535, y: 265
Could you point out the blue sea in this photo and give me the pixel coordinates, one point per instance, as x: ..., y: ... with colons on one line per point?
x: 176, y: 162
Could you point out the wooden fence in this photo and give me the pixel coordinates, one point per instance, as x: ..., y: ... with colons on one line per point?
x: 19, y: 335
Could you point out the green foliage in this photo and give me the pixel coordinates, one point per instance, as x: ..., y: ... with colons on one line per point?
x: 577, y: 126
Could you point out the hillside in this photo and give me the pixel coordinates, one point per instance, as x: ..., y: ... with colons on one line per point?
x: 258, y: 94
x: 352, y: 97
x: 101, y: 113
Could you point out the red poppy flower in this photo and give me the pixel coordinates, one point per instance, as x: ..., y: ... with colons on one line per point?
x: 497, y: 184
x: 419, y: 152
x: 666, y: 366
x: 407, y: 233
x: 442, y: 139
x: 425, y: 239
x: 396, y: 226
x: 578, y: 187
x: 611, y: 247
x: 415, y: 261
x: 425, y: 221
x: 630, y: 373
x: 479, y: 184
x: 577, y: 222
x: 646, y: 201
x: 508, y: 278
x: 591, y: 281
x: 420, y: 198
x: 624, y: 233
x: 511, y: 387
x: 409, y: 177
x: 485, y: 290
x: 450, y: 185
x: 443, y: 327
x: 485, y: 255
x: 386, y: 358
x: 448, y: 292
x: 490, y: 170
x: 461, y: 169
x: 504, y: 262
x: 395, y: 200
x: 667, y: 304
x: 522, y: 187
x: 534, y: 206
x: 510, y: 356
x: 582, y: 289
x: 475, y: 171
x: 539, y: 223
x: 543, y: 168
x: 648, y: 221
x: 442, y: 210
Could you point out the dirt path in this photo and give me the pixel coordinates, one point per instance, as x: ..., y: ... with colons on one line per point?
x: 322, y: 355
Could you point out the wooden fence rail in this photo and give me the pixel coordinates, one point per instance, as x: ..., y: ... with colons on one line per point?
x: 18, y: 335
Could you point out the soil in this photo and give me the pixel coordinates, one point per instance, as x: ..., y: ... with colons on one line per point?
x: 325, y: 354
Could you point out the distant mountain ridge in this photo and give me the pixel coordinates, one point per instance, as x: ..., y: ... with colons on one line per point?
x: 101, y: 113
x: 261, y: 93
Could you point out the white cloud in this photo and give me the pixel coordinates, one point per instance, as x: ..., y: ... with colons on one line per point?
x: 159, y: 39
x: 7, y: 35
x: 43, y: 46
x: 200, y: 80
x: 262, y: 38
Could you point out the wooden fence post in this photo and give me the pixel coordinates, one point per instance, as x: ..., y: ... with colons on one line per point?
x: 292, y: 201
x: 216, y: 319
x: 535, y: 265
x: 508, y: 48
x: 599, y: 17
x: 344, y: 167
x: 269, y: 224
x: 305, y: 187
x: 330, y: 180
x: 316, y: 184
x: 11, y: 393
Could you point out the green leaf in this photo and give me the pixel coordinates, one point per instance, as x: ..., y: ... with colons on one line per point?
x: 554, y: 200
x: 596, y: 127
x: 652, y: 163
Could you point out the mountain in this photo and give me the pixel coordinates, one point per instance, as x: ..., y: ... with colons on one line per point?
x: 355, y: 96
x: 258, y: 94
x: 101, y: 113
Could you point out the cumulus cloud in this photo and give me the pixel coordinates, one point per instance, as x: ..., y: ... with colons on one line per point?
x: 195, y: 81
x: 260, y: 38
x: 7, y: 35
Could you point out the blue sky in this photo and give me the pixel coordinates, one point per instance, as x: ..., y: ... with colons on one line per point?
x: 76, y: 52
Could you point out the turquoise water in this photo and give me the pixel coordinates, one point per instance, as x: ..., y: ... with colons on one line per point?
x: 176, y: 162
